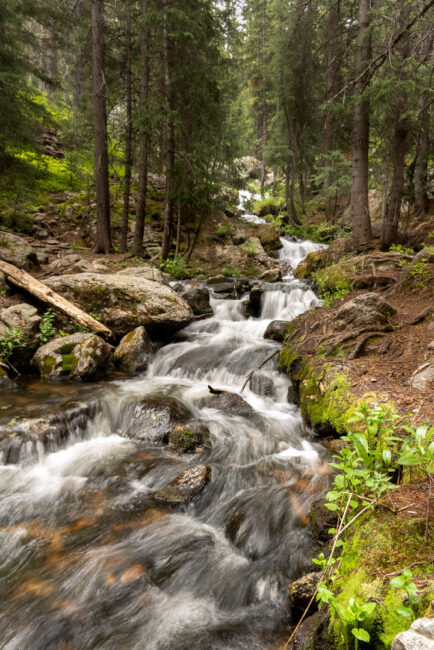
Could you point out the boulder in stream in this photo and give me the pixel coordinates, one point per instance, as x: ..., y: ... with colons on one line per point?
x: 5, y: 382
x: 276, y: 330
x: 262, y: 385
x: 132, y: 353
x: 184, y: 487
x: 189, y: 437
x: 81, y: 356
x: 123, y: 301
x: 420, y: 636
x: 196, y: 295
x: 154, y: 418
x: 301, y: 591
x: 231, y: 403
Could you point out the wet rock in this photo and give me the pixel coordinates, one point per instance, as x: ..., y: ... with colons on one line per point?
x: 252, y: 307
x: 187, y: 438
x: 225, y: 287
x: 16, y: 251
x: 272, y: 275
x: 85, y: 357
x: 293, y: 396
x: 23, y: 317
x: 321, y: 519
x: 276, y: 330
x: 229, y: 402
x: 184, y: 487
x: 302, y: 590
x: 269, y: 236
x: 146, y: 272
x: 132, y: 353
x: 196, y: 296
x: 21, y: 441
x: 368, y: 309
x: 423, y: 376
x: 154, y: 418
x: 6, y: 384
x: 123, y: 302
x: 312, y: 633
x: 420, y: 636
x: 262, y: 385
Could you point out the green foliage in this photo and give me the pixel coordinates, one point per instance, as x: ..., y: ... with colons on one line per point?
x: 418, y: 449
x: 230, y: 271
x: 329, y: 296
x: 405, y: 582
x: 222, y: 230
x: 176, y: 267
x: 47, y: 330
x: 11, y: 341
x: 250, y: 248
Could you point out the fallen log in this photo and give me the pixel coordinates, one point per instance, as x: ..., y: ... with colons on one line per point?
x: 25, y: 281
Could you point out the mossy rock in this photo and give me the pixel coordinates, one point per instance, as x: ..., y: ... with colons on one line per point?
x: 189, y: 438
x: 79, y: 356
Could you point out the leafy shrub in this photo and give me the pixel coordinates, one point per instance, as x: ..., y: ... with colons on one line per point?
x: 12, y: 340
x: 47, y: 330
x: 176, y: 267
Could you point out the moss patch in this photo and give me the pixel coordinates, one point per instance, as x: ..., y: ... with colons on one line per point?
x: 382, y: 544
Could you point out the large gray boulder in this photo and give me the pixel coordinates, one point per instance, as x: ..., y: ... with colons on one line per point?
x: 276, y: 330
x: 231, y: 403
x: 147, y: 272
x: 369, y: 309
x: 420, y: 636
x: 16, y: 251
x: 23, y: 317
x: 84, y: 357
x: 132, y: 353
x: 124, y: 302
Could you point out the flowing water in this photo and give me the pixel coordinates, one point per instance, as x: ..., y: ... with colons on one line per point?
x: 88, y: 557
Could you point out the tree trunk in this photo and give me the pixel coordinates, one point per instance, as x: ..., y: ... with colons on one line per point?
x: 421, y: 168
x: 178, y: 229
x: 139, y: 228
x: 399, y: 148
x: 264, y: 99
x: 170, y: 141
x: 361, y: 221
x: 129, y: 130
x: 329, y: 121
x: 103, y: 233
x: 393, y: 209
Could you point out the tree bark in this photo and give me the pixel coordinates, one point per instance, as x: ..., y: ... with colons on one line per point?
x: 421, y: 168
x: 170, y: 141
x: 139, y: 228
x: 129, y: 130
x: 103, y: 232
x: 329, y: 121
x: 361, y: 221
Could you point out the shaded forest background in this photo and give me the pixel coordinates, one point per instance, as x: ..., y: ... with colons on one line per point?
x: 332, y: 97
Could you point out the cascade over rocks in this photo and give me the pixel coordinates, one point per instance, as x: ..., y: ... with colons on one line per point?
x: 262, y: 385
x: 16, y: 251
x: 123, y: 301
x: 85, y: 357
x: 367, y: 309
x: 132, y: 353
x: 21, y: 440
x: 184, y: 487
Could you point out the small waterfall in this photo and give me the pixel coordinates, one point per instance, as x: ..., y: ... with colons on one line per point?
x: 88, y: 557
